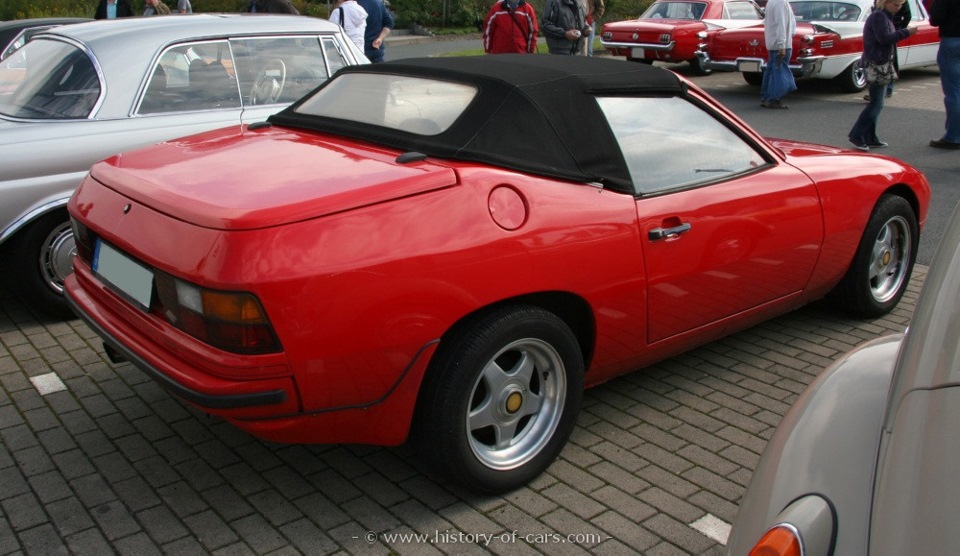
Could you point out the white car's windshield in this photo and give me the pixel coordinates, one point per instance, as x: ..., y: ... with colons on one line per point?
x: 48, y: 80
x: 825, y: 11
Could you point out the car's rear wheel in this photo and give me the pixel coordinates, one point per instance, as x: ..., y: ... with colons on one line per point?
x: 853, y: 79
x: 883, y: 263
x: 43, y: 258
x: 753, y: 77
x: 699, y: 67
x: 500, y: 398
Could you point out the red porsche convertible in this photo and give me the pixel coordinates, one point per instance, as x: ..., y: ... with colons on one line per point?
x: 668, y: 30
x: 451, y: 249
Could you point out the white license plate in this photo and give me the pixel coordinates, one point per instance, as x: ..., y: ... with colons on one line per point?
x: 748, y: 66
x: 127, y: 276
x: 637, y: 53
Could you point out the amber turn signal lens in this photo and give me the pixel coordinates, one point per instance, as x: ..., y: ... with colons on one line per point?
x: 778, y: 541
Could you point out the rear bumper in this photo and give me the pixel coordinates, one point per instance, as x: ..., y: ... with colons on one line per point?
x: 268, y: 405
x: 805, y: 67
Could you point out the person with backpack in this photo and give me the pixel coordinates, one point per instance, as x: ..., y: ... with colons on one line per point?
x: 352, y: 18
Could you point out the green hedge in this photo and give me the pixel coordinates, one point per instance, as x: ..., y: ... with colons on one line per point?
x: 433, y: 14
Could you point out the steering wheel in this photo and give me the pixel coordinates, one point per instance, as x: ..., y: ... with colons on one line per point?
x: 268, y: 86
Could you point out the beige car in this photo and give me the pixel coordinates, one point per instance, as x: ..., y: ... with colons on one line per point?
x: 865, y: 462
x: 76, y: 94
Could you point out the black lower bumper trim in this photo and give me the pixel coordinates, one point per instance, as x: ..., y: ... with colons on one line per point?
x: 197, y: 398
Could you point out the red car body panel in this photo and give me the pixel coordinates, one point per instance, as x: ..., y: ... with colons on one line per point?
x: 626, y: 38
x: 363, y: 262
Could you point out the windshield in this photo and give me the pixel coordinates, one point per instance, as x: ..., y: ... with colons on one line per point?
x: 675, y: 10
x: 825, y: 11
x: 411, y: 104
x: 48, y: 80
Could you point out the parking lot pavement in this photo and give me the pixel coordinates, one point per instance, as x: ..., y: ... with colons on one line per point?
x: 95, y: 457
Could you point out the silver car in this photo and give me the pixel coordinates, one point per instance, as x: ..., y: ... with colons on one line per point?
x: 79, y: 93
x: 865, y: 461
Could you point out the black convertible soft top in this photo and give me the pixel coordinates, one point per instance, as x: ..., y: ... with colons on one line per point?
x: 532, y: 113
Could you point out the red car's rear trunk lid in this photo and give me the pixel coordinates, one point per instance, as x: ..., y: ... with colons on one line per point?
x: 234, y: 179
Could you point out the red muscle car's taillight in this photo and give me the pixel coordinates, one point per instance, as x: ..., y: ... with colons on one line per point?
x: 231, y: 321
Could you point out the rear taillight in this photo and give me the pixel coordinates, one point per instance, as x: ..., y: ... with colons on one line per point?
x: 231, y: 321
x: 779, y: 540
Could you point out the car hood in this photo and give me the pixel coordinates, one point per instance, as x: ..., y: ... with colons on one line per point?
x: 240, y: 180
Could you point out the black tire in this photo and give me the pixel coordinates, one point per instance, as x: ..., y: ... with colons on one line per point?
x: 883, y: 263
x: 698, y: 66
x: 852, y: 79
x: 753, y: 77
x: 42, y: 257
x: 500, y: 399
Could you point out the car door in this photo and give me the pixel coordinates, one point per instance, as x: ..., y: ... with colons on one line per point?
x: 921, y: 48
x: 725, y: 228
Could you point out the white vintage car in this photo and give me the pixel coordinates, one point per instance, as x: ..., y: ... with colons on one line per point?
x: 828, y: 43
x: 76, y: 94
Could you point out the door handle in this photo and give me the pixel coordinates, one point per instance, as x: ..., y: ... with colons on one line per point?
x: 663, y: 233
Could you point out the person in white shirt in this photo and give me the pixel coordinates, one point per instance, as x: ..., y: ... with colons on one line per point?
x: 353, y: 18
x: 779, y: 25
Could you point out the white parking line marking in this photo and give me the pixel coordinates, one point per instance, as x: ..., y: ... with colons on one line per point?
x: 48, y: 383
x: 713, y: 527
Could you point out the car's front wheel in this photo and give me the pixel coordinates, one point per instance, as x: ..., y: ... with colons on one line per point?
x: 853, y: 79
x: 500, y: 398
x: 883, y: 263
x: 43, y: 258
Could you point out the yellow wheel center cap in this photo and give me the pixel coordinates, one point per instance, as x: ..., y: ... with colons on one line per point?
x: 886, y: 258
x: 514, y: 401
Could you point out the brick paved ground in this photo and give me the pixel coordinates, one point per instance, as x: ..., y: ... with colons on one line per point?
x: 95, y: 458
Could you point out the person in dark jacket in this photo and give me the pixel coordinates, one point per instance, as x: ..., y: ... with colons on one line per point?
x: 111, y: 9
x: 510, y: 27
x: 272, y: 7
x: 564, y: 24
x: 379, y: 25
x: 880, y: 39
x: 945, y: 14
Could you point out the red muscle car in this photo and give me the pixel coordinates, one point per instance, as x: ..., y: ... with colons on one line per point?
x: 451, y: 249
x: 827, y: 45
x: 668, y: 29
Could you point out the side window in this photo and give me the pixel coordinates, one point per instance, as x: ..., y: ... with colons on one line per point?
x: 669, y: 143
x: 198, y: 76
x: 279, y: 70
x: 48, y: 80
x: 335, y: 57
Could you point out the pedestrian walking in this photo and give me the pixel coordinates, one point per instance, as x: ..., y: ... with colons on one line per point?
x: 945, y: 14
x: 879, y: 43
x: 779, y: 25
